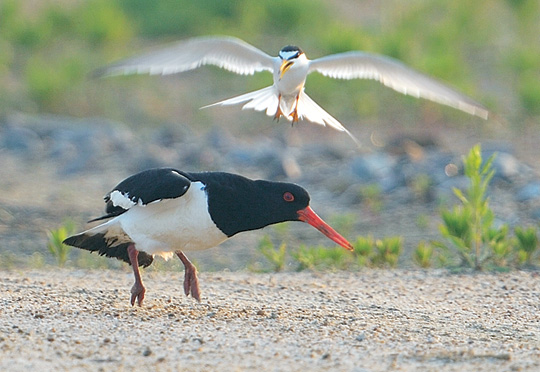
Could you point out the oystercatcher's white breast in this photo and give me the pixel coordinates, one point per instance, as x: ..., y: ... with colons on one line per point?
x: 168, y: 225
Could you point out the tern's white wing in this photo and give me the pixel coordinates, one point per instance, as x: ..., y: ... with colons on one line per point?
x: 394, y: 74
x: 226, y: 52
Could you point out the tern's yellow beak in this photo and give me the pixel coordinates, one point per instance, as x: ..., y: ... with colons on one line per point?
x: 284, y: 67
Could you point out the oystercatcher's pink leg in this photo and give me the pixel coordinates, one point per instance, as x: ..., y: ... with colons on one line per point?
x: 137, y: 291
x: 191, y: 282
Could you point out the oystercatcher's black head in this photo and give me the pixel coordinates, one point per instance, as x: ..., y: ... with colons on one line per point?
x: 249, y: 205
x: 282, y: 201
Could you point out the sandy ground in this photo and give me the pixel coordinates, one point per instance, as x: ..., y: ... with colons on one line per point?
x: 67, y: 320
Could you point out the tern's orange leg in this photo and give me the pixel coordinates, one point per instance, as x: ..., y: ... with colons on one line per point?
x: 279, y: 113
x: 294, y: 114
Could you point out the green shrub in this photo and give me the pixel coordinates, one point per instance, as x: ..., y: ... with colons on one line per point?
x: 363, y: 250
x: 377, y: 252
x: 367, y: 252
x: 469, y: 226
x: 387, y: 251
x: 527, y: 244
x: 501, y: 245
x: 321, y: 258
x: 423, y: 255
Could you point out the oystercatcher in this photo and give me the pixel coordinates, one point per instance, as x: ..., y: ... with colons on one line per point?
x: 290, y: 69
x: 165, y: 211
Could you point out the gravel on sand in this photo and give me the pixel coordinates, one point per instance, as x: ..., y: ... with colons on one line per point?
x: 74, y: 320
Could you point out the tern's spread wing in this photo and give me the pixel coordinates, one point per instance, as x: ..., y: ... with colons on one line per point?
x: 394, y: 74
x: 226, y: 52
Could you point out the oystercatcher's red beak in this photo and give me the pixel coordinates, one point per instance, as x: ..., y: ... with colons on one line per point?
x: 308, y: 215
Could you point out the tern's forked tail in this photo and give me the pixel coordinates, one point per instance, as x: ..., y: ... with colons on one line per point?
x: 267, y: 99
x: 311, y: 111
x: 259, y: 100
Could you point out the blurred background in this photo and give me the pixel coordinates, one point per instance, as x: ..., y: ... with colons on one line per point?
x: 66, y: 139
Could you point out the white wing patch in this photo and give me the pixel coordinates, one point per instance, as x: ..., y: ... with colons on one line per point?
x: 122, y: 200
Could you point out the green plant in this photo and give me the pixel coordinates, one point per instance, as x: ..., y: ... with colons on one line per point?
x: 59, y: 250
x: 363, y: 250
x: 306, y: 258
x: 469, y: 226
x: 423, y: 255
x: 7, y: 260
x: 500, y: 244
x: 321, y: 258
x: 276, y: 256
x: 387, y: 251
x: 527, y: 244
x: 377, y: 252
x: 36, y: 260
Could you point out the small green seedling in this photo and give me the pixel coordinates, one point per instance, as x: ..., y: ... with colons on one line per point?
x: 527, y: 244
x: 276, y: 257
x: 423, y: 255
x: 321, y: 258
x: 469, y: 226
x: 501, y: 245
x: 363, y: 250
x: 59, y: 250
x: 387, y: 251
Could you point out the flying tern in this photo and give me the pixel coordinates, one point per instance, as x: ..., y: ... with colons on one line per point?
x: 286, y: 97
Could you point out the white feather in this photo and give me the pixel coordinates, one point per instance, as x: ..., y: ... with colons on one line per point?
x: 121, y: 200
x: 309, y: 110
x: 226, y: 52
x: 394, y: 74
x: 259, y: 100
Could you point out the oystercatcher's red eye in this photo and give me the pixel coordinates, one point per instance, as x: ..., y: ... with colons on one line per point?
x: 288, y: 197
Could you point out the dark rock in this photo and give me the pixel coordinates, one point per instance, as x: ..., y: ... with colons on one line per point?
x: 219, y: 139
x: 528, y: 192
x: 377, y: 168
x: 535, y: 213
x: 506, y: 166
x: 21, y: 140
